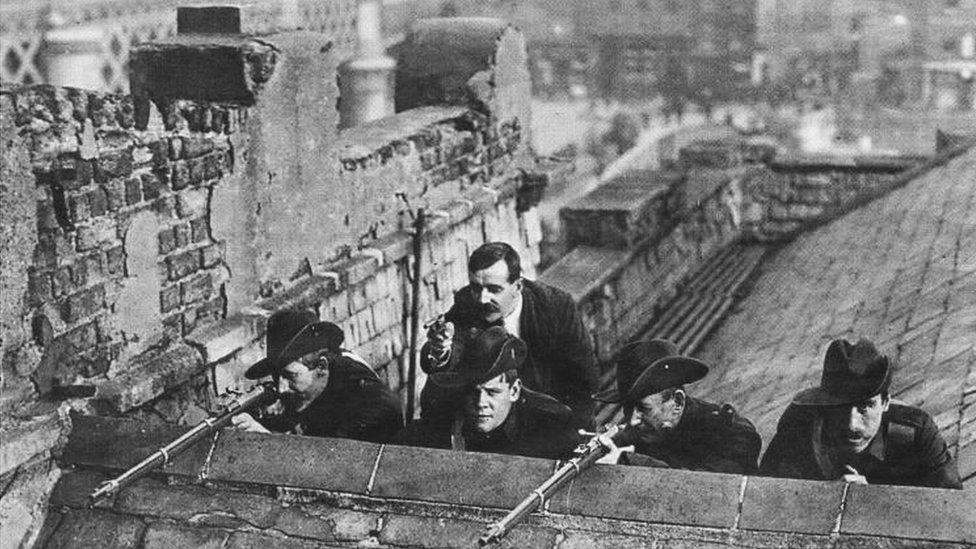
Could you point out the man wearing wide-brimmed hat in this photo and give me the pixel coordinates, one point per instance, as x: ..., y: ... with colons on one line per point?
x: 325, y: 390
x: 666, y: 426
x: 848, y: 428
x: 496, y: 413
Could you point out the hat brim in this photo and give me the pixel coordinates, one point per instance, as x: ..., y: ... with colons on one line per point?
x: 313, y: 337
x: 664, y: 373
x: 451, y: 380
x: 259, y: 369
x: 815, y: 396
x: 481, y: 371
x: 461, y: 380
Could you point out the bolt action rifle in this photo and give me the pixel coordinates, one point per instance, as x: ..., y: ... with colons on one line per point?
x: 586, y: 455
x: 261, y: 395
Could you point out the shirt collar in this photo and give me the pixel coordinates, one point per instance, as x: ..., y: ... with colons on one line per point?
x: 513, y: 319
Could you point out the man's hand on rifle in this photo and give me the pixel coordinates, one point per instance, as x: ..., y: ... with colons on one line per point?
x: 246, y: 422
x: 853, y: 477
x: 613, y: 451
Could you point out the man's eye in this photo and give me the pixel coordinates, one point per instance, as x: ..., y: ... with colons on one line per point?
x: 494, y: 289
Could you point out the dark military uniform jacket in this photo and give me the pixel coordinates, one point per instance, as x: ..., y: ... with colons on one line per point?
x: 560, y: 362
x: 907, y: 450
x: 355, y: 404
x: 708, y: 437
x: 533, y: 428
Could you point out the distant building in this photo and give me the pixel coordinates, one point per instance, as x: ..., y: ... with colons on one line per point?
x: 819, y: 46
x: 700, y: 49
x: 632, y: 49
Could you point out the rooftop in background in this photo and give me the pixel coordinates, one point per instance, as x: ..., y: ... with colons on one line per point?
x: 900, y: 271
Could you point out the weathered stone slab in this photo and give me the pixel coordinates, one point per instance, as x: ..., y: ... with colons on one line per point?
x: 95, y: 528
x: 911, y: 512
x: 163, y: 535
x: 406, y: 530
x: 202, y: 506
x: 653, y: 495
x: 786, y: 505
x: 147, y: 377
x: 583, y: 269
x: 300, y: 462
x: 109, y: 443
x: 462, y: 478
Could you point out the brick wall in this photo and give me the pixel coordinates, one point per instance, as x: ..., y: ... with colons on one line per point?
x: 794, y: 193
x: 152, y: 235
x: 232, y: 492
x: 124, y: 255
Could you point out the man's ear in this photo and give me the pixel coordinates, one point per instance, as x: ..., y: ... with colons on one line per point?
x: 885, y: 402
x: 518, y: 284
x: 515, y: 391
x: 680, y: 398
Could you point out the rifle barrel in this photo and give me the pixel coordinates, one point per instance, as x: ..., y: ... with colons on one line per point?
x: 161, y: 457
x: 592, y: 451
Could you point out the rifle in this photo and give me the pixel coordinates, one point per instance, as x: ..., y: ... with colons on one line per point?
x: 263, y: 395
x: 586, y: 455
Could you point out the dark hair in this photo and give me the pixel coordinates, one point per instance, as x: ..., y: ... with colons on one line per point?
x: 668, y: 394
x: 490, y: 253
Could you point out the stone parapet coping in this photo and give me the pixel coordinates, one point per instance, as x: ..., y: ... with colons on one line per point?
x: 369, y: 138
x: 584, y: 269
x: 370, y: 476
x: 869, y: 162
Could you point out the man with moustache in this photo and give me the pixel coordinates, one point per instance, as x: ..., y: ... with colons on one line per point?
x: 325, y: 390
x: 496, y: 413
x: 560, y: 360
x: 666, y: 426
x: 848, y: 428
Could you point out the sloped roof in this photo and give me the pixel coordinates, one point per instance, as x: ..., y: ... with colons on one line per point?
x: 900, y: 271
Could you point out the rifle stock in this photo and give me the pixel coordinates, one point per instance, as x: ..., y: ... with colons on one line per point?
x: 587, y: 454
x: 263, y: 396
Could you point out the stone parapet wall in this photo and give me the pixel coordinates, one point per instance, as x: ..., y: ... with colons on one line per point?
x: 638, y: 236
x: 246, y: 490
x: 794, y: 193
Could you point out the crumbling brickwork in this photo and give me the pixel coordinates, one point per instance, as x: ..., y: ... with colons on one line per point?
x: 151, y: 235
x: 94, y: 176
